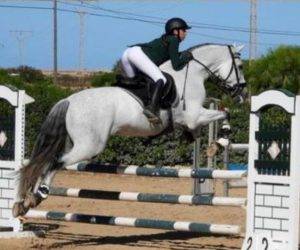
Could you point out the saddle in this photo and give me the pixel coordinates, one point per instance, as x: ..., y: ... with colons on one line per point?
x: 142, y: 88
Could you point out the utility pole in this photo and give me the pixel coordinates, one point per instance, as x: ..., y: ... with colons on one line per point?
x: 253, y: 30
x: 55, y: 41
x: 81, y: 41
x: 21, y: 35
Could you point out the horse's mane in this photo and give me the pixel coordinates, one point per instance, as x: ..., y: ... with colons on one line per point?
x: 206, y: 44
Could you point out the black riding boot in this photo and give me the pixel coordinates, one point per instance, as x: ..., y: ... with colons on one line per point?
x: 152, y: 110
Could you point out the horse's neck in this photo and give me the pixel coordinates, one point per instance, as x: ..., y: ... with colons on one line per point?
x: 211, y: 55
x: 192, y: 78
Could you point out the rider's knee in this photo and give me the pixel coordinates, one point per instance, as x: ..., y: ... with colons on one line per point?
x: 160, y: 82
x: 162, y: 78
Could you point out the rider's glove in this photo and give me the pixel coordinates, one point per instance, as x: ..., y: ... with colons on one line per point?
x: 187, y: 55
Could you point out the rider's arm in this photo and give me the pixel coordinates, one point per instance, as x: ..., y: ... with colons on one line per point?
x: 178, y: 60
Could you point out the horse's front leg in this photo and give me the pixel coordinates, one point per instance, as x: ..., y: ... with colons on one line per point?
x: 204, y: 117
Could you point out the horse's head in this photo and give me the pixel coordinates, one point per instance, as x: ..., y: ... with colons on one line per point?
x: 228, y: 71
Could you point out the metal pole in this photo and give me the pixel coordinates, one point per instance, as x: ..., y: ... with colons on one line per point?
x: 253, y: 30
x: 21, y: 36
x: 81, y: 41
x: 211, y: 130
x: 204, y: 186
x: 55, y: 41
x: 226, y: 162
x: 196, y: 163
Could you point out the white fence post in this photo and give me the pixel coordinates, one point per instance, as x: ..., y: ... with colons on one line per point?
x: 8, y: 165
x: 273, y: 175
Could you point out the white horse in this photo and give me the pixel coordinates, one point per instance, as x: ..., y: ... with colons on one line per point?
x: 78, y: 127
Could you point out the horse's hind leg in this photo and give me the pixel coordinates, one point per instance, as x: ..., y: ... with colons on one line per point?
x: 41, y: 190
x: 86, y: 145
x: 82, y: 152
x: 79, y: 152
x: 42, y: 186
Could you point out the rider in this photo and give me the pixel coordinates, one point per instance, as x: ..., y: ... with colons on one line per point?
x: 147, y: 57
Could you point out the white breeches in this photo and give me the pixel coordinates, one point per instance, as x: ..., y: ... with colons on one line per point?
x: 134, y: 58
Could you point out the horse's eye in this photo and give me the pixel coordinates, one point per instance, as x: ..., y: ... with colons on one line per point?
x: 241, y: 67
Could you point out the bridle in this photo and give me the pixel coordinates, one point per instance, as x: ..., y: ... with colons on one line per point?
x: 223, y: 83
x: 233, y: 91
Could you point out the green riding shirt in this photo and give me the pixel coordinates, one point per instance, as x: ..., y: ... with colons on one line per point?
x: 164, y: 48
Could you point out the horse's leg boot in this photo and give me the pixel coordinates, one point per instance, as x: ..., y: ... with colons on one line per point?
x: 152, y: 110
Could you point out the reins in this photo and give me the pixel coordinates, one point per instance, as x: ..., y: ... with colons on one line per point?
x: 215, y: 78
x: 184, y: 86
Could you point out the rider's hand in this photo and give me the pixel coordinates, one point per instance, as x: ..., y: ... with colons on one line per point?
x: 187, y: 54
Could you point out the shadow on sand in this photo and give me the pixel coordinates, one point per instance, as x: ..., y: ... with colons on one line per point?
x: 166, y: 240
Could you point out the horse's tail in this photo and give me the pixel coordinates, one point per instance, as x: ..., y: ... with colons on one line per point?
x: 47, y: 149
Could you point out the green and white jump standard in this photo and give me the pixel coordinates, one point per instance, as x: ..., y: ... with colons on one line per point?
x: 12, y: 148
x: 274, y: 173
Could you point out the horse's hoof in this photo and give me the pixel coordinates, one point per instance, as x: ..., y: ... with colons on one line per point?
x: 224, y: 142
x: 19, y: 209
x: 22, y: 219
x: 32, y: 200
x: 188, y: 136
x: 212, y: 150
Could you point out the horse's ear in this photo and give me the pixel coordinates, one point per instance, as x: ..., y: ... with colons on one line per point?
x: 239, y: 48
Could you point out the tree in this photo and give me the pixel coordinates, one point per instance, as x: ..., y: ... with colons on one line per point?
x: 279, y: 68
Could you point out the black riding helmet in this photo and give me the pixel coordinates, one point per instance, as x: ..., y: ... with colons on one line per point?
x: 175, y: 23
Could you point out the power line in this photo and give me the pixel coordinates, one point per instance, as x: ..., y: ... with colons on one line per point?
x: 194, y: 24
x: 76, y: 12
x: 222, y: 38
x: 204, y: 26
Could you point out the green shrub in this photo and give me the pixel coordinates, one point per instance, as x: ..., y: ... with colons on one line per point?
x: 27, y: 74
x: 279, y: 68
x: 102, y: 79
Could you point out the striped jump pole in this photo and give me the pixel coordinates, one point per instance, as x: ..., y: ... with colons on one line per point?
x: 134, y: 222
x: 239, y: 147
x: 145, y: 197
x: 158, y: 171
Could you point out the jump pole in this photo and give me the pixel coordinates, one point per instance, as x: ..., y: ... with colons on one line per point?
x: 158, y: 171
x: 236, y: 147
x: 146, y: 197
x: 135, y: 222
x: 239, y: 146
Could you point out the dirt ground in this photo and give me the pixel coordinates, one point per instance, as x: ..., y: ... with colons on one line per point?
x: 66, y: 235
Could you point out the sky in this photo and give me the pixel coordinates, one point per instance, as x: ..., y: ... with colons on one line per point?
x: 109, y: 26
